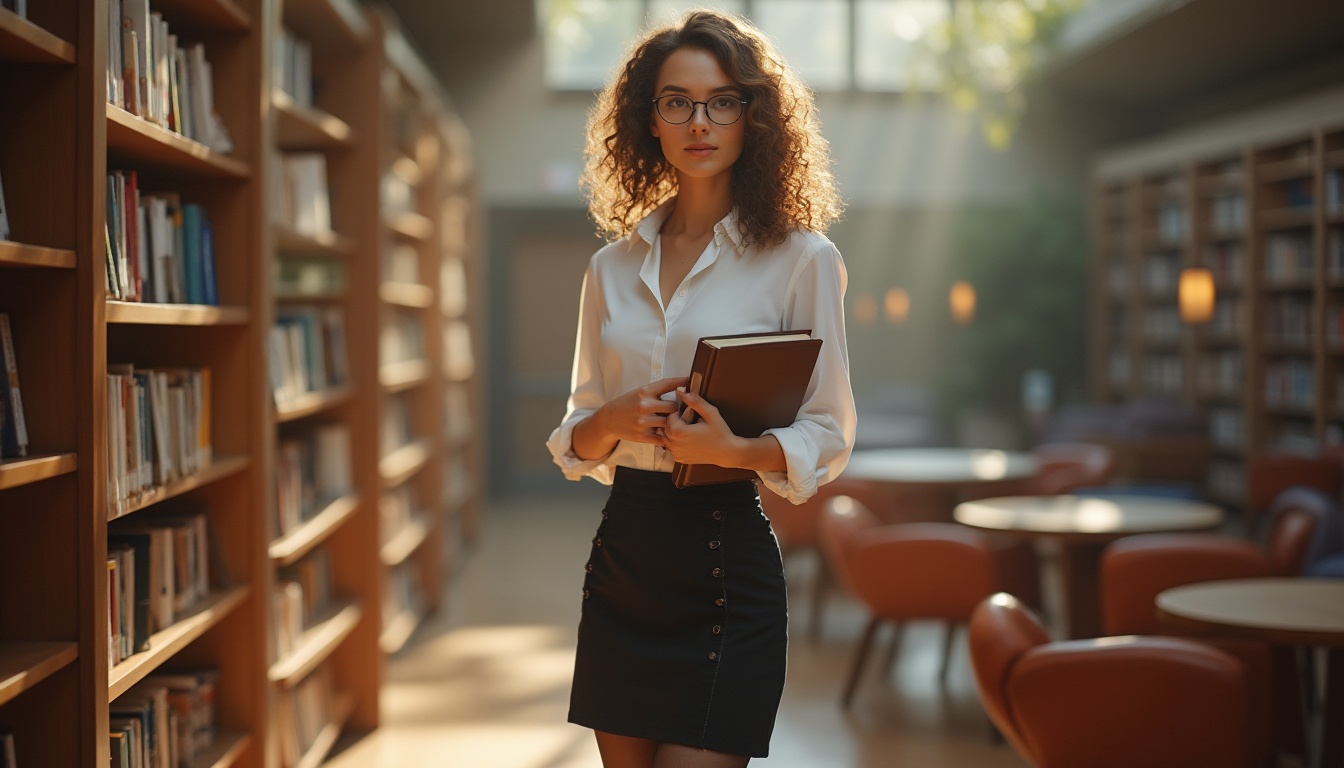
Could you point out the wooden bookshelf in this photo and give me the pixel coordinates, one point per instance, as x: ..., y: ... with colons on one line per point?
x: 24, y: 665
x: 55, y: 161
x: 1258, y: 214
x: 405, y: 543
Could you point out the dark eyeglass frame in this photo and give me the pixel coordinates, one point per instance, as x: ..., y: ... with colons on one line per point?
x: 657, y: 107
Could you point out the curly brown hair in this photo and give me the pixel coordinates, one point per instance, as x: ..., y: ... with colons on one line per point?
x: 781, y: 182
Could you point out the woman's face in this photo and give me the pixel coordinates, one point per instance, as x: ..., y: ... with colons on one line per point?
x: 699, y: 147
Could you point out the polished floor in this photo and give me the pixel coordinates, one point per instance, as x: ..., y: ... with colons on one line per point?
x: 485, y: 683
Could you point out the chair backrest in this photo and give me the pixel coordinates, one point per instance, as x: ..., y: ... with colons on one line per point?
x: 1066, y: 466
x: 923, y: 571
x: 842, y: 520
x: 1268, y: 475
x: 1001, y: 630
x: 1119, y: 702
x: 1135, y: 569
x: 1305, y: 526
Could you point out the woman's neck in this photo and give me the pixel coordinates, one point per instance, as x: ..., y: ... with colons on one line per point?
x: 701, y: 203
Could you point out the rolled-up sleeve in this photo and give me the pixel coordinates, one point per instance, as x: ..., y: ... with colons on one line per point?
x: 817, y: 445
x: 586, y: 387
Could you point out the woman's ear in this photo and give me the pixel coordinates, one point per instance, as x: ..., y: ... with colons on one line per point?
x: 653, y: 124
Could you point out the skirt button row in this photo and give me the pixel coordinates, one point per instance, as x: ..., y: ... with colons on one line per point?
x: 717, y: 629
x: 718, y: 515
x: 720, y: 602
x: 713, y: 656
x: 714, y: 544
x: 718, y: 572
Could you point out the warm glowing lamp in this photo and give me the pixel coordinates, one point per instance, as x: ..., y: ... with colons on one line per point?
x: 898, y: 306
x: 1196, y: 295
x: 865, y: 310
x: 962, y: 300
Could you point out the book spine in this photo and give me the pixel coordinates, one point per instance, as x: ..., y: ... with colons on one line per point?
x: 15, y: 401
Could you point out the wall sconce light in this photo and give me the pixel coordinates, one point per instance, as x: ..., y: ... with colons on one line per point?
x: 962, y: 300
x: 1196, y: 295
x: 865, y: 310
x: 898, y: 306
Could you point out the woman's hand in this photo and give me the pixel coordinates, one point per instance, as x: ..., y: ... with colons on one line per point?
x: 638, y: 416
x: 706, y: 441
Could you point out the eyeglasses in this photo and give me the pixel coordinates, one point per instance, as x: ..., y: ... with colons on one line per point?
x: 721, y: 110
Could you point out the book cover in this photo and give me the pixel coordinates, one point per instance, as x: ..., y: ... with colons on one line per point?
x: 4, y: 213
x: 757, y: 381
x: 145, y: 581
x: 13, y: 429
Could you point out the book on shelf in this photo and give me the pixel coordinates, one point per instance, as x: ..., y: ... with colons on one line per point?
x: 300, y: 276
x: 402, y: 338
x: 311, y: 472
x: 398, y: 509
x: 401, y: 264
x: 4, y: 212
x: 160, y: 249
x: 292, y: 68
x: 303, y: 597
x: 403, y: 592
x: 7, y: 758
x: 158, y: 428
x: 396, y: 429
x: 13, y: 427
x: 304, y: 204
x: 307, y: 349
x: 156, y: 77
x: 165, y: 721
x: 757, y: 382
x: 303, y: 712
x: 458, y: 362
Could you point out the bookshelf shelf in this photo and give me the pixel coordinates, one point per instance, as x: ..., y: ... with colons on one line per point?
x: 398, y: 466
x: 1285, y: 170
x: 165, y: 644
x: 334, y: 24
x: 214, y: 15
x: 317, y: 645
x: 300, y: 127
x: 398, y: 377
x: 312, y: 403
x: 20, y: 255
x: 317, y: 753
x: 139, y: 140
x: 137, y: 313
x: 407, y: 295
x: 225, y: 752
x: 219, y: 469
x: 334, y: 244
x: 398, y: 632
x: 25, y: 664
x: 33, y: 469
x: 24, y: 42
x: 288, y: 549
x: 411, y: 226
x: 405, y: 543
x: 1287, y: 218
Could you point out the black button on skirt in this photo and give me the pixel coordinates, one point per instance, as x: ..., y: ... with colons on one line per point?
x: 684, y: 632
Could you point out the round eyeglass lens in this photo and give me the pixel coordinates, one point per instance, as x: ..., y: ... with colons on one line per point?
x: 723, y: 110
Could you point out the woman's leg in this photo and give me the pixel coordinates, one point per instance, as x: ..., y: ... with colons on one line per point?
x: 681, y: 756
x: 624, y: 751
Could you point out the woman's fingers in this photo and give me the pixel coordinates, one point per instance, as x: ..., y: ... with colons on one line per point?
x: 663, y: 386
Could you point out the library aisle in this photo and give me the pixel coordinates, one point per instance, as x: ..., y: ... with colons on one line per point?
x: 486, y: 681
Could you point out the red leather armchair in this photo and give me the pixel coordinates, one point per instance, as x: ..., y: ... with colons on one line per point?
x: 1112, y: 702
x: 1268, y: 475
x: 906, y: 571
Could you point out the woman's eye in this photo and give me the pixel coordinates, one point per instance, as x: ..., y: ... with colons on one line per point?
x: 678, y: 102
x: 723, y: 102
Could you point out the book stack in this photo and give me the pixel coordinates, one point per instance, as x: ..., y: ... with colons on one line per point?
x: 402, y: 338
x: 152, y: 76
x: 303, y: 598
x: 17, y: 7
x: 158, y: 573
x: 303, y: 712
x: 300, y: 188
x: 292, y: 68
x: 311, y: 473
x: 396, y: 427
x: 404, y: 593
x: 307, y: 352
x: 13, y: 428
x: 398, y: 509
x: 158, y: 429
x: 166, y: 721
x: 299, y: 276
x: 1288, y: 257
x: 158, y: 249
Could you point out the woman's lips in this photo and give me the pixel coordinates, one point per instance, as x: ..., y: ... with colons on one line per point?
x: 700, y: 150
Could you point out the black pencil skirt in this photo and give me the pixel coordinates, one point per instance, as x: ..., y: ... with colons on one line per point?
x: 684, y: 632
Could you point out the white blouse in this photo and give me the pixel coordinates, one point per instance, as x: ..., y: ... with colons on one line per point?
x: 627, y: 339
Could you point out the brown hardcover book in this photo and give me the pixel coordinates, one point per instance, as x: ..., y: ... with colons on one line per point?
x: 757, y: 381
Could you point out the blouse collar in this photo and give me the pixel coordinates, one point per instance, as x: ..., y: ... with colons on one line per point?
x: 647, y: 229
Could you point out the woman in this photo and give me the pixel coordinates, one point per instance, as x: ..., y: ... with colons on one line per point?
x: 707, y: 167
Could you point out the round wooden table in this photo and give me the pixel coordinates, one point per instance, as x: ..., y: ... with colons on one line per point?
x: 926, y: 483
x: 1084, y: 526
x: 1284, y: 611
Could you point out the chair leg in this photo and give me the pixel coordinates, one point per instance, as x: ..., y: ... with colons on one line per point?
x: 860, y: 656
x: 898, y: 632
x: 948, y: 636
x: 821, y: 584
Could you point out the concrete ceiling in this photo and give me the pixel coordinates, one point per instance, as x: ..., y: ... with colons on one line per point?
x: 1201, y: 49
